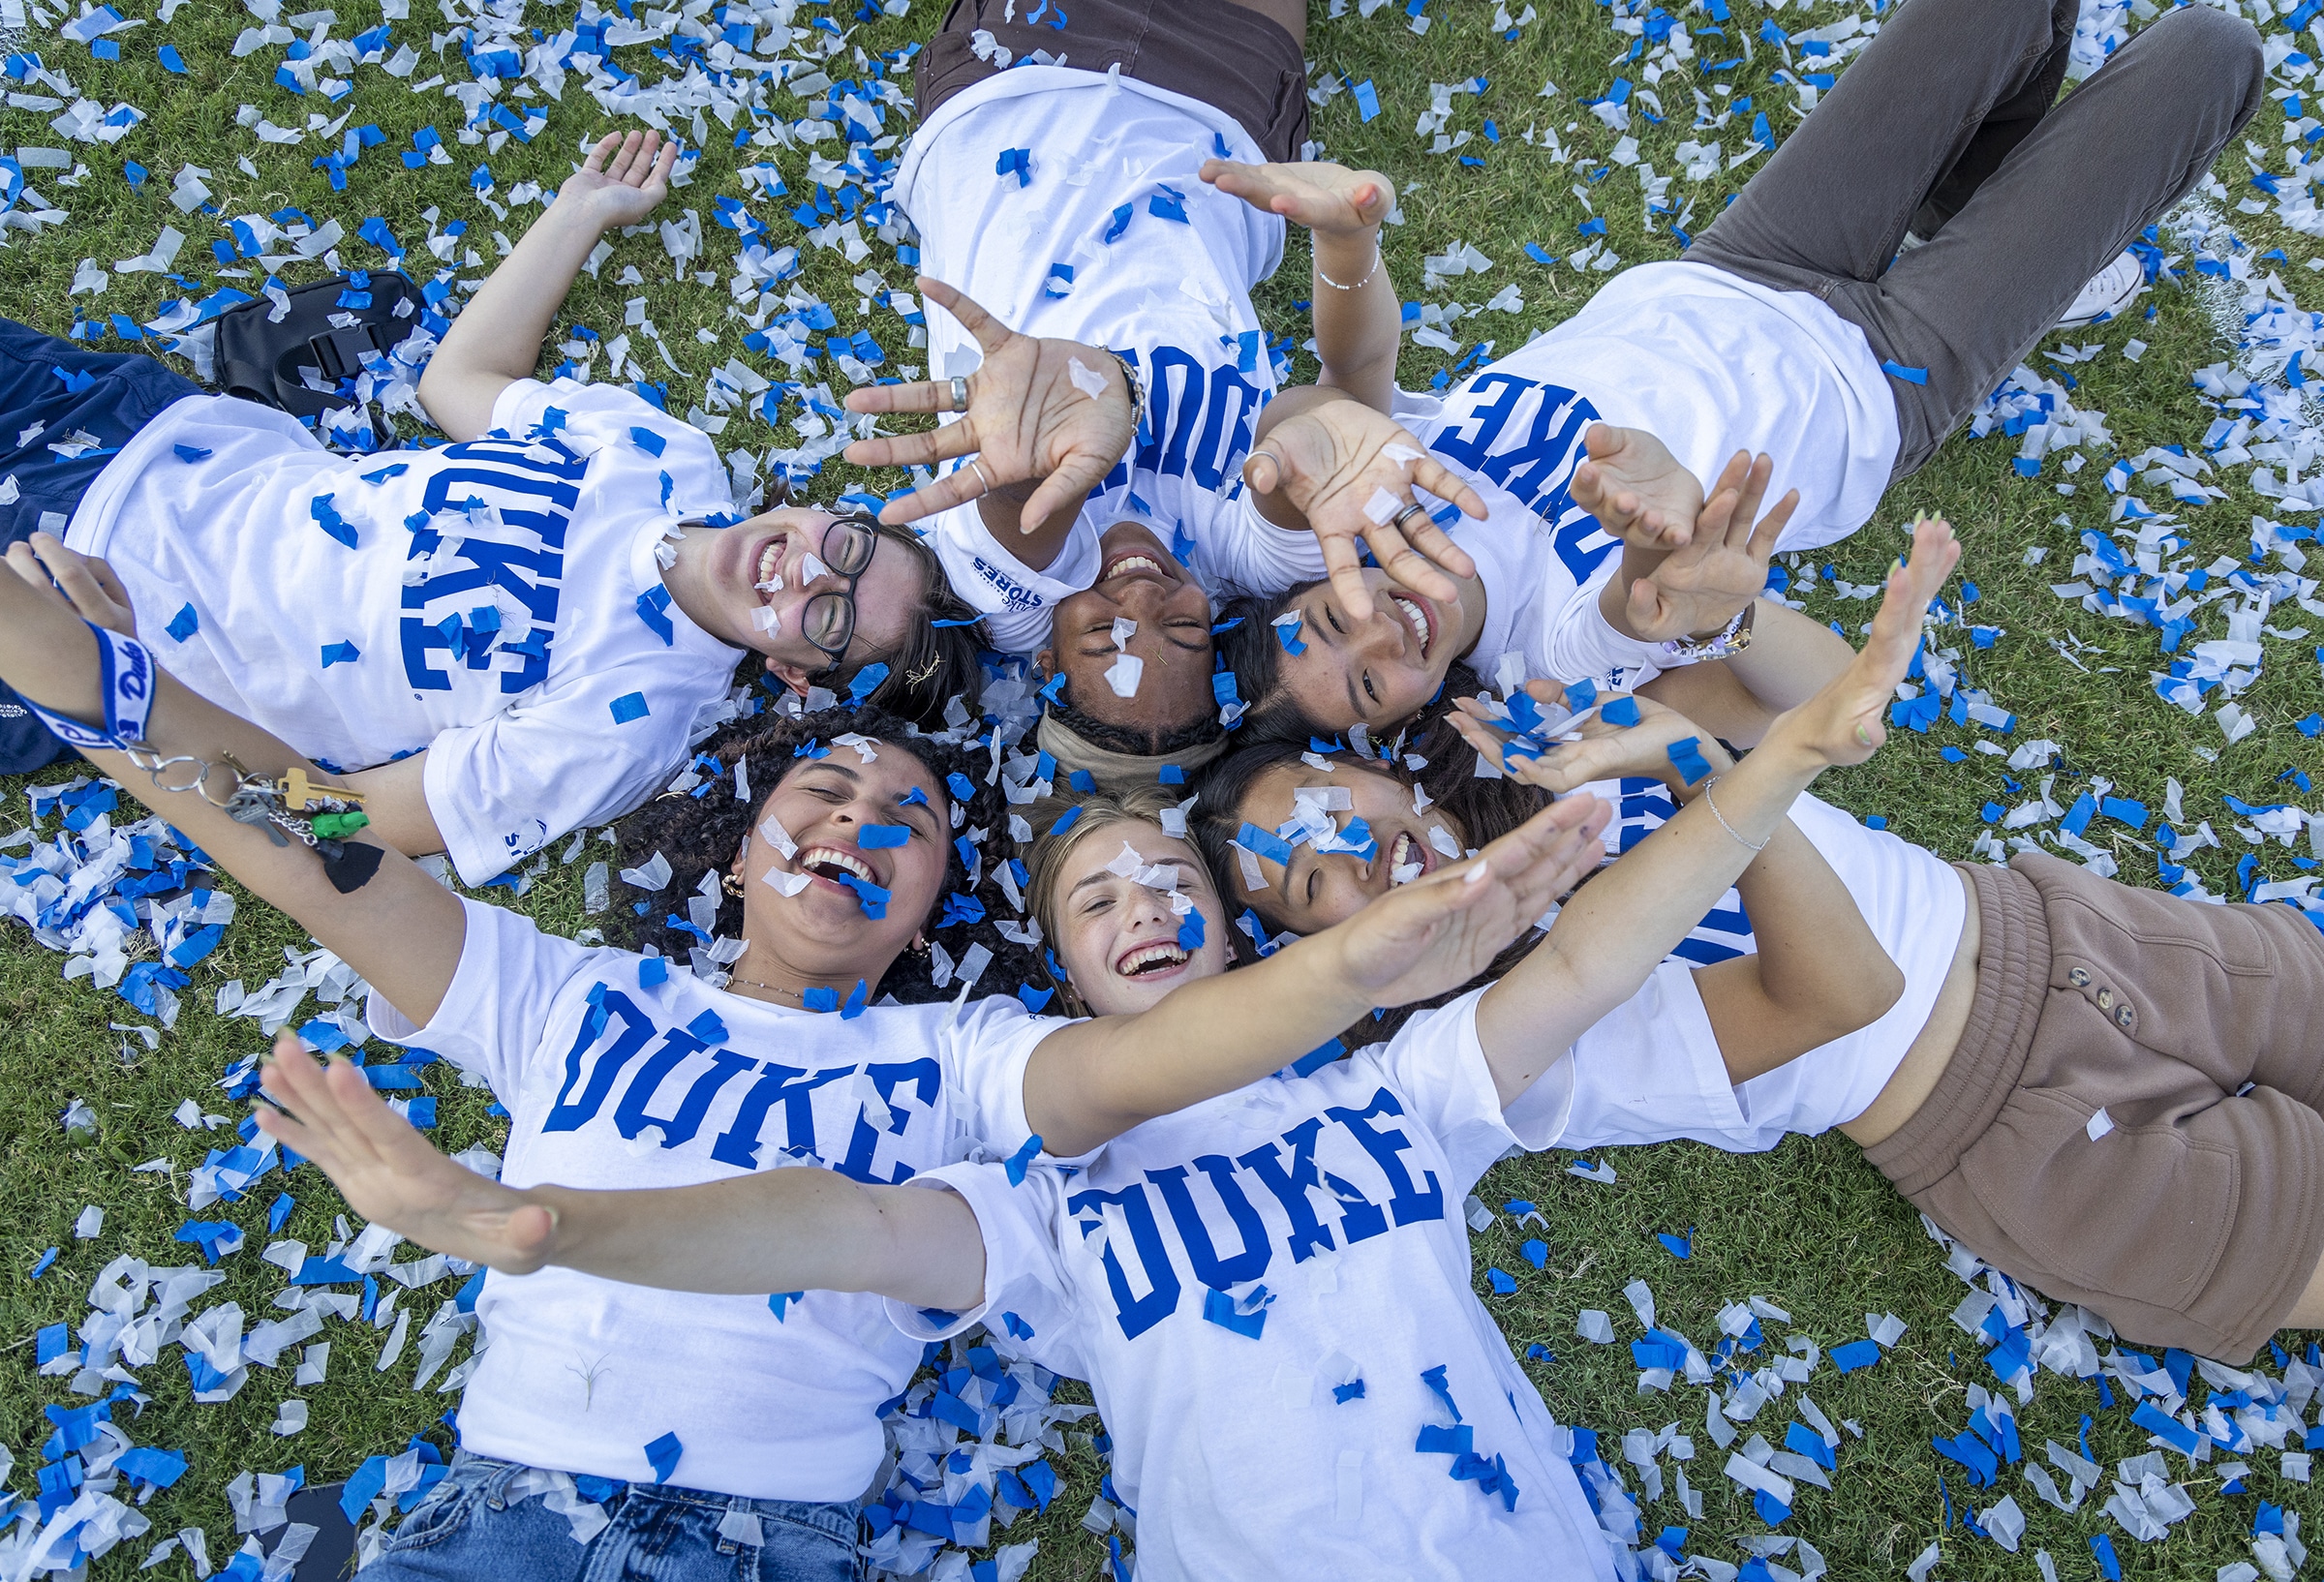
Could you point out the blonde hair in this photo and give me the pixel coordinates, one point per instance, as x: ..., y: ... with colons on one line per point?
x: 1044, y: 869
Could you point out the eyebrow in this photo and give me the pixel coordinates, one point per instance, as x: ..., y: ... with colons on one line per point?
x: 826, y: 765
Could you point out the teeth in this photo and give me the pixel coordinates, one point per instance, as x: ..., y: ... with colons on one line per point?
x: 1133, y: 562
x: 1419, y: 617
x: 1160, y: 954
x: 829, y: 857
x: 770, y: 560
x: 1401, y: 869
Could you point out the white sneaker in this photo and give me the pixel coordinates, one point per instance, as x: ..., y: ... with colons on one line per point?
x: 2109, y: 292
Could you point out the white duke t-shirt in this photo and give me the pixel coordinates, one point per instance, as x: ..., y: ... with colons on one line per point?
x: 1707, y: 362
x: 613, y: 1084
x: 1170, y: 290
x: 1339, y: 1194
x: 487, y: 610
x: 1651, y: 1071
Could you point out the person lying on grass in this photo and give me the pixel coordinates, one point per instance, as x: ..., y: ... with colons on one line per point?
x: 1304, y: 1230
x: 500, y: 639
x: 622, y: 1068
x: 1806, y: 323
x: 2101, y: 1090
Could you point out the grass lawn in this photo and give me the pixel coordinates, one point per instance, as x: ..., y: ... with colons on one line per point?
x: 1807, y: 1225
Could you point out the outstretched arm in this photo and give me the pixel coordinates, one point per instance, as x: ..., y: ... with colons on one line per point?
x: 1093, y: 1080
x: 1359, y: 323
x: 1615, y: 931
x: 779, y: 1230
x: 401, y: 930
x: 495, y: 340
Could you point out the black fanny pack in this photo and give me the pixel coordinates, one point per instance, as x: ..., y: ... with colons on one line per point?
x: 331, y: 325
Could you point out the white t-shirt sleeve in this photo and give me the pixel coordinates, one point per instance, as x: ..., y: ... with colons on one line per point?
x: 1023, y: 1274
x: 1242, y: 552
x: 1583, y: 644
x: 491, y: 1016
x: 1650, y: 1071
x: 501, y: 789
x: 601, y: 416
x: 1015, y: 600
x: 989, y: 1046
x: 1436, y: 1065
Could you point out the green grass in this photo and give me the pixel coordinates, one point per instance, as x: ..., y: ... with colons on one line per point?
x: 1808, y: 1224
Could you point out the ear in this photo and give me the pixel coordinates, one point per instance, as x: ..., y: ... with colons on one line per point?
x: 790, y: 675
x: 1046, y: 662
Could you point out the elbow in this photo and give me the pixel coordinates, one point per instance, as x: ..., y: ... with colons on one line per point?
x: 1869, y: 996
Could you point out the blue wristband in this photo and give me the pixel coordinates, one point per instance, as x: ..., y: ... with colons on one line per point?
x: 127, y: 677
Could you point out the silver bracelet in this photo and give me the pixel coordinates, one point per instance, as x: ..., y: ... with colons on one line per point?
x: 1723, y: 824
x: 1359, y: 285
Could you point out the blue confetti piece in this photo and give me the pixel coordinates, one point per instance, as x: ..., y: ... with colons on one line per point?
x: 184, y: 624
x: 171, y: 61
x: 49, y: 1343
x: 867, y: 682
x: 1856, y: 1353
x: 962, y: 787
x: 628, y: 707
x: 1686, y: 756
x: 1503, y: 1282
x: 1367, y: 100
x: 1801, y: 1440
x: 340, y: 653
x: 1219, y: 1308
x: 652, y: 607
x: 1580, y: 695
x: 326, y: 517
x: 41, y: 1265
x: 1019, y: 1161
x: 1680, y: 1247
x: 2167, y: 1428
x: 881, y: 836
x: 781, y: 1300
x: 1191, y: 931
x: 652, y: 971
x: 1619, y: 711
x: 1264, y: 843
x: 2101, y: 1547
x: 649, y: 442
x: 1536, y: 1252
x: 192, y: 453
x: 1910, y: 376
x: 662, y: 1455
x: 1033, y: 1000
x: 1119, y: 223
x: 1351, y: 1391
x: 821, y: 997
x: 1288, y: 634
x: 1016, y: 162
x: 1065, y: 821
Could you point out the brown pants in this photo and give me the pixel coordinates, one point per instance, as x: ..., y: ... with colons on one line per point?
x: 1227, y: 56
x: 2198, y: 1219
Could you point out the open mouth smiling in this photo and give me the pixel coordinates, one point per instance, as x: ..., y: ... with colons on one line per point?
x: 1151, y: 960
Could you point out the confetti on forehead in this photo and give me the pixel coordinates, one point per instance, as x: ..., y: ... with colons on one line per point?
x: 864, y: 749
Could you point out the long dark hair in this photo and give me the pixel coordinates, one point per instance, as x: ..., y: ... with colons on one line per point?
x: 1251, y: 650
x: 699, y: 834
x: 936, y: 662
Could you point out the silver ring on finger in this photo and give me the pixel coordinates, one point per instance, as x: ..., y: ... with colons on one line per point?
x: 1415, y: 508
x: 960, y: 394
x: 980, y: 476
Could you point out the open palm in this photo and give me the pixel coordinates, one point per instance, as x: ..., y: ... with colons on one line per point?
x: 1638, y: 492
x: 1700, y: 586
x: 1052, y: 410
x: 1320, y: 196
x: 1348, y: 469
x: 1606, y: 751
x: 622, y: 180
x: 1844, y: 722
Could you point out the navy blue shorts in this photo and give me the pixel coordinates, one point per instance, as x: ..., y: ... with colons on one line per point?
x: 52, y: 392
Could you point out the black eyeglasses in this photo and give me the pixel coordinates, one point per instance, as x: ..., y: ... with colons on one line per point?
x: 827, y: 620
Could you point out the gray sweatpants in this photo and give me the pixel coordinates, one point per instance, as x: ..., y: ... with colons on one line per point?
x: 1949, y: 122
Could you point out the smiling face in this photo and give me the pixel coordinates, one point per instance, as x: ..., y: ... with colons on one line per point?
x: 823, y: 808
x: 1138, y: 582
x: 1319, y: 889
x: 1383, y: 671
x: 1118, y: 938
x: 763, y: 566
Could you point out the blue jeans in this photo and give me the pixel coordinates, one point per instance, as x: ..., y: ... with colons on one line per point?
x: 119, y: 393
x: 467, y: 1530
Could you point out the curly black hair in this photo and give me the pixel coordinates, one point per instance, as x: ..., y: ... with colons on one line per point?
x: 1251, y: 650
x: 700, y: 835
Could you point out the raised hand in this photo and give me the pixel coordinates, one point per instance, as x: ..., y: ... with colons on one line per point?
x: 1698, y: 587
x: 624, y: 179
x: 1606, y: 751
x: 1844, y: 723
x: 1351, y: 471
x: 83, y: 581
x: 1320, y: 196
x: 1057, y: 411
x: 1439, y: 932
x: 389, y: 1172
x: 1635, y: 488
